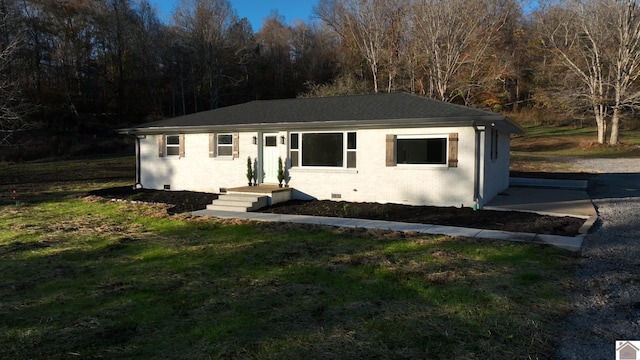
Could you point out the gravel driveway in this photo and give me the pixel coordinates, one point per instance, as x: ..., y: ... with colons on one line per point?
x: 607, y: 298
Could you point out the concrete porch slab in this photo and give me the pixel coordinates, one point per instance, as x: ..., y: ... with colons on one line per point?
x: 544, y: 201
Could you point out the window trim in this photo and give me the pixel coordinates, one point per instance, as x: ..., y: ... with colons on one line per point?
x: 345, y: 150
x: 163, y: 146
x: 214, y: 146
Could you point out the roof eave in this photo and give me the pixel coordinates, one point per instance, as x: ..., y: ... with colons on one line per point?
x: 497, y: 120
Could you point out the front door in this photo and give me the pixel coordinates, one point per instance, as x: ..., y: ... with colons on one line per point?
x: 270, y: 155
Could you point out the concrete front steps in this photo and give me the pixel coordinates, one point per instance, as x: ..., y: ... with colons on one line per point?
x: 239, y: 202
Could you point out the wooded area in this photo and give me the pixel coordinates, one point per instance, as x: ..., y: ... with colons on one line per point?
x: 116, y: 62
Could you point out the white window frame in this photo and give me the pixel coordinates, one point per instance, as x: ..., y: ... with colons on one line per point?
x: 219, y: 145
x: 345, y: 149
x: 168, y: 146
x: 424, y: 137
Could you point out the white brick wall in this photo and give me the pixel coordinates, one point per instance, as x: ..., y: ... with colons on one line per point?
x: 372, y: 181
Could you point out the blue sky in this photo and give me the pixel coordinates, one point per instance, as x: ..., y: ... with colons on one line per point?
x: 254, y: 10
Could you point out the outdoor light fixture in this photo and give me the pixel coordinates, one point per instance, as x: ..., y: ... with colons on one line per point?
x: 255, y: 140
x: 282, y: 140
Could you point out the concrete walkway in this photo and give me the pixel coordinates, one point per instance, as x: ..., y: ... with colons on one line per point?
x: 564, y: 242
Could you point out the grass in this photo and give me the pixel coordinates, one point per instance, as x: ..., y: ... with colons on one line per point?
x: 85, y: 278
x: 554, y: 140
x: 550, y: 148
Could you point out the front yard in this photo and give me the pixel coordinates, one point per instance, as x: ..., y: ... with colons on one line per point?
x: 87, y: 278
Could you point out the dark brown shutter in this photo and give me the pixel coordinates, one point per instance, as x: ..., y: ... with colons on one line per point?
x: 212, y: 145
x: 181, y: 145
x: 236, y: 145
x: 161, y: 145
x: 453, y: 150
x: 390, y: 150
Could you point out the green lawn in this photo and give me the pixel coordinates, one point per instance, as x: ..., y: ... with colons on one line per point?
x: 85, y: 278
x: 549, y: 148
x: 553, y: 140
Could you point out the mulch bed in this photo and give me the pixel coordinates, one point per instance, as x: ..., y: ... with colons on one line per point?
x: 187, y: 201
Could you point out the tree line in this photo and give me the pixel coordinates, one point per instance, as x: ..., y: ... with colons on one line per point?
x: 60, y: 59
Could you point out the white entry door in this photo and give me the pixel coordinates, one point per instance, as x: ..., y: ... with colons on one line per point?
x: 270, y: 156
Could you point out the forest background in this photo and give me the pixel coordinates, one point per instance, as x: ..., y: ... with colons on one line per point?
x: 71, y: 71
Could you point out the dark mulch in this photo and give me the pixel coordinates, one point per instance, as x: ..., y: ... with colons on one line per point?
x: 186, y: 201
x: 182, y: 201
x: 450, y: 216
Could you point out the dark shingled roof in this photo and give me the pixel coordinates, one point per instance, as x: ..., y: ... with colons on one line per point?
x: 357, y: 110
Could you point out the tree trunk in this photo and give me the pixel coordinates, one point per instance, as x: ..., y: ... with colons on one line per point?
x: 599, y: 112
x: 615, y: 125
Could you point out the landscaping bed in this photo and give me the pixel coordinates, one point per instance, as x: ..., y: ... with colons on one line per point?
x: 186, y: 201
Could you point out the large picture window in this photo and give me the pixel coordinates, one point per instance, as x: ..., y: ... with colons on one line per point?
x: 335, y: 149
x: 421, y: 151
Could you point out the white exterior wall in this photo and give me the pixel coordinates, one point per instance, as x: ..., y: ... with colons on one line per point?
x: 371, y: 181
x: 196, y: 171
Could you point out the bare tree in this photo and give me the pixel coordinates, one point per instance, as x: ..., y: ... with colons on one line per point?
x: 204, y: 25
x: 598, y: 41
x: 368, y: 27
x: 626, y: 61
x: 453, y: 34
x: 576, y: 36
x: 13, y: 107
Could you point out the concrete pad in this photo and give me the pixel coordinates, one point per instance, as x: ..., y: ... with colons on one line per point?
x: 550, y: 183
x: 563, y: 242
x: 506, y: 235
x: 554, y: 202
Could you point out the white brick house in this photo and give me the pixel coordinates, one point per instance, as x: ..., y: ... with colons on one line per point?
x: 398, y: 148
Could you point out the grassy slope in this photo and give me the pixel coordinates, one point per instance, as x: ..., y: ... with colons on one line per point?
x: 548, y: 148
x: 85, y: 278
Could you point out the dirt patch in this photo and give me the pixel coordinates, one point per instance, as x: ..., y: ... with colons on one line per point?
x: 450, y: 216
x: 180, y: 201
x: 187, y: 201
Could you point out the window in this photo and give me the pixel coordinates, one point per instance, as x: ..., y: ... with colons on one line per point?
x: 494, y: 144
x: 323, y: 149
x: 171, y: 145
x: 270, y: 141
x: 422, y: 150
x: 295, y: 150
x: 225, y: 144
x: 351, y: 150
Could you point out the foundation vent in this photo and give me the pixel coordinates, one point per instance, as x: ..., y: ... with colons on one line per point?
x: 167, y: 187
x: 336, y: 196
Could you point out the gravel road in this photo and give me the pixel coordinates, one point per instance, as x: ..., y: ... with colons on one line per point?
x: 607, y: 299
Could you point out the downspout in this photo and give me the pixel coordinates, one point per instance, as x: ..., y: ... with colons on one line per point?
x: 138, y: 184
x: 477, y: 204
